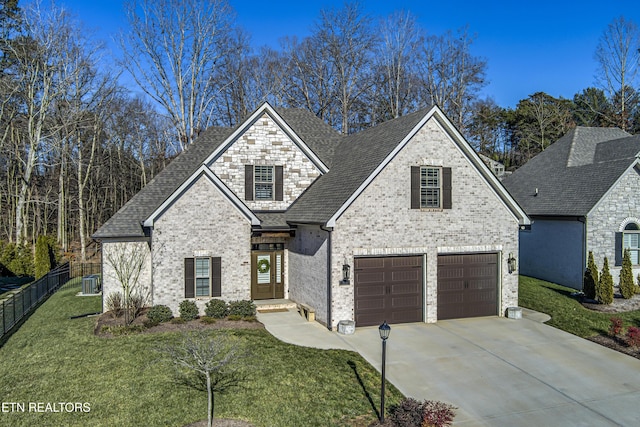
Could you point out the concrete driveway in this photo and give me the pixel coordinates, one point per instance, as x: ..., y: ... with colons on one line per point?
x: 497, y: 371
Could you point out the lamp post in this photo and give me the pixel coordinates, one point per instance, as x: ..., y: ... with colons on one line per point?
x: 384, y: 330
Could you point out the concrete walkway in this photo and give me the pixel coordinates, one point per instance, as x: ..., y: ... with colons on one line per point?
x: 497, y: 371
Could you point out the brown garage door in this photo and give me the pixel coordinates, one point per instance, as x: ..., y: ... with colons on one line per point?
x: 467, y: 285
x: 388, y: 288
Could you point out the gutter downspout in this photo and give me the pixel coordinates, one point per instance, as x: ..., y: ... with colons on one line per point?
x: 583, y: 220
x: 329, y: 256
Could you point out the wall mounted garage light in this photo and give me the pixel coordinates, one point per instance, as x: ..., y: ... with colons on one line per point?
x: 346, y: 274
x: 512, y: 263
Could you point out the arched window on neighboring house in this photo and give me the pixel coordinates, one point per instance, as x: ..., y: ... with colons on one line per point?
x: 631, y: 241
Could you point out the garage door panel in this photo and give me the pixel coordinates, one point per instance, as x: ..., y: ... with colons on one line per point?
x: 388, y: 288
x: 467, y: 285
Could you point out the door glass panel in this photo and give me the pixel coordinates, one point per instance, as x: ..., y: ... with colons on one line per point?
x: 278, y: 268
x: 264, y: 269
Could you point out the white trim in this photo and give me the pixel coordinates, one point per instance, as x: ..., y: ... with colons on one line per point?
x: 635, y: 163
x: 628, y: 220
x: 460, y: 142
x: 266, y: 108
x: 223, y: 189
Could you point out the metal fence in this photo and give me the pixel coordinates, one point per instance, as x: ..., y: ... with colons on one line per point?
x: 22, y: 302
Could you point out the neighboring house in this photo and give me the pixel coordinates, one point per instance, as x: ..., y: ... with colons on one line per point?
x: 581, y: 194
x: 401, y: 222
x: 496, y: 167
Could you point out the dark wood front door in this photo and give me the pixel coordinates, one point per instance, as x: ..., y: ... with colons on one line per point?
x: 267, y: 278
x: 467, y: 285
x: 388, y: 288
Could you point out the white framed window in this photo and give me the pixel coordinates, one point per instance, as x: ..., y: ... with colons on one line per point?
x: 202, y: 277
x: 263, y: 179
x: 631, y: 241
x: 430, y: 187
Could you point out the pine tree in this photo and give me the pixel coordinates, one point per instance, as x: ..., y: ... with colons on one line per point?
x: 627, y: 287
x: 590, y: 278
x: 604, y: 288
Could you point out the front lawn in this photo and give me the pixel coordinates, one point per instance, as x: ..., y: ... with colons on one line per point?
x: 565, y: 311
x: 53, y: 358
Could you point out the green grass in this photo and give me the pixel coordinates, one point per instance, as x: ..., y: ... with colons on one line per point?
x: 53, y: 358
x: 565, y: 311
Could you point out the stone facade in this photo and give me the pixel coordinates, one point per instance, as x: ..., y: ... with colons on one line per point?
x: 619, y: 206
x: 265, y: 144
x: 477, y: 222
x: 201, y: 222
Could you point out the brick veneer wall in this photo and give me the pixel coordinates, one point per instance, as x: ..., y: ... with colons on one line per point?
x: 133, y: 251
x: 380, y: 222
x: 201, y: 222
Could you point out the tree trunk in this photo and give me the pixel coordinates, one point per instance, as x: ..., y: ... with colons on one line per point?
x: 210, y: 401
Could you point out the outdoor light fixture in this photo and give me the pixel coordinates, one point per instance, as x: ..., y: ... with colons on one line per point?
x: 346, y: 274
x: 384, y: 330
x: 511, y: 263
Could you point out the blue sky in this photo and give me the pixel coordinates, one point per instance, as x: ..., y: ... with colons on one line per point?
x: 529, y: 46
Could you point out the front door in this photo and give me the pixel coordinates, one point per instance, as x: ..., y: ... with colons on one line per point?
x: 267, y: 275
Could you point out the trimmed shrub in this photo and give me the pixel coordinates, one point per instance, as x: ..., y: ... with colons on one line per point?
x: 590, y: 279
x: 114, y: 304
x: 244, y: 308
x: 159, y: 313
x: 407, y: 413
x: 633, y: 337
x: 216, y: 308
x: 178, y: 320
x: 615, y: 328
x: 207, y: 320
x: 604, y: 288
x: 437, y: 414
x: 627, y: 287
x: 188, y: 310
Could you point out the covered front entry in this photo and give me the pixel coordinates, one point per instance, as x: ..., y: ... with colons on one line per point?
x: 267, y: 275
x: 467, y: 285
x: 388, y: 288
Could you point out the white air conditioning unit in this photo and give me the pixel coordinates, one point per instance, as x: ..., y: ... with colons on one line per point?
x: 91, y: 284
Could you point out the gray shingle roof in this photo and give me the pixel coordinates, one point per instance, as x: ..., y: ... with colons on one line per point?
x: 574, y: 173
x: 356, y: 157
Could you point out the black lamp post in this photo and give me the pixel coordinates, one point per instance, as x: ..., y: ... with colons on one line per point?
x: 384, y: 330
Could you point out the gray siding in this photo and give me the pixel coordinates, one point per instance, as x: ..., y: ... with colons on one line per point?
x: 553, y: 250
x: 307, y: 256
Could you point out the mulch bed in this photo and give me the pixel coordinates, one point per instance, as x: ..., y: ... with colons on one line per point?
x: 106, y: 320
x: 619, y: 305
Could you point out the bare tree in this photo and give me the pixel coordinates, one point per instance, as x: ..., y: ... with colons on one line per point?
x: 173, y: 51
x: 618, y: 56
x: 396, y: 61
x: 452, y: 76
x: 127, y: 260
x: 214, y: 358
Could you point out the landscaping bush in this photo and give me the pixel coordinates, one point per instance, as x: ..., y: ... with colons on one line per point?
x: 430, y: 413
x: 604, y: 288
x: 590, y: 278
x: 407, y: 413
x: 627, y: 286
x: 136, y: 304
x: 244, y: 308
x: 216, y: 308
x: 633, y: 337
x: 437, y: 414
x: 114, y: 304
x: 207, y: 320
x: 42, y: 260
x: 615, y: 328
x: 159, y: 313
x: 188, y: 310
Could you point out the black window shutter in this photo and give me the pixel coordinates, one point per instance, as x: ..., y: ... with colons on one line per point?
x: 216, y: 277
x: 278, y: 183
x: 189, y: 278
x: 415, y: 187
x: 248, y: 182
x: 446, y: 188
x: 618, y: 258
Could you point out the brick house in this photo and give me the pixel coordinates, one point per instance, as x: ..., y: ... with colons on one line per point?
x: 581, y: 194
x: 401, y: 222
